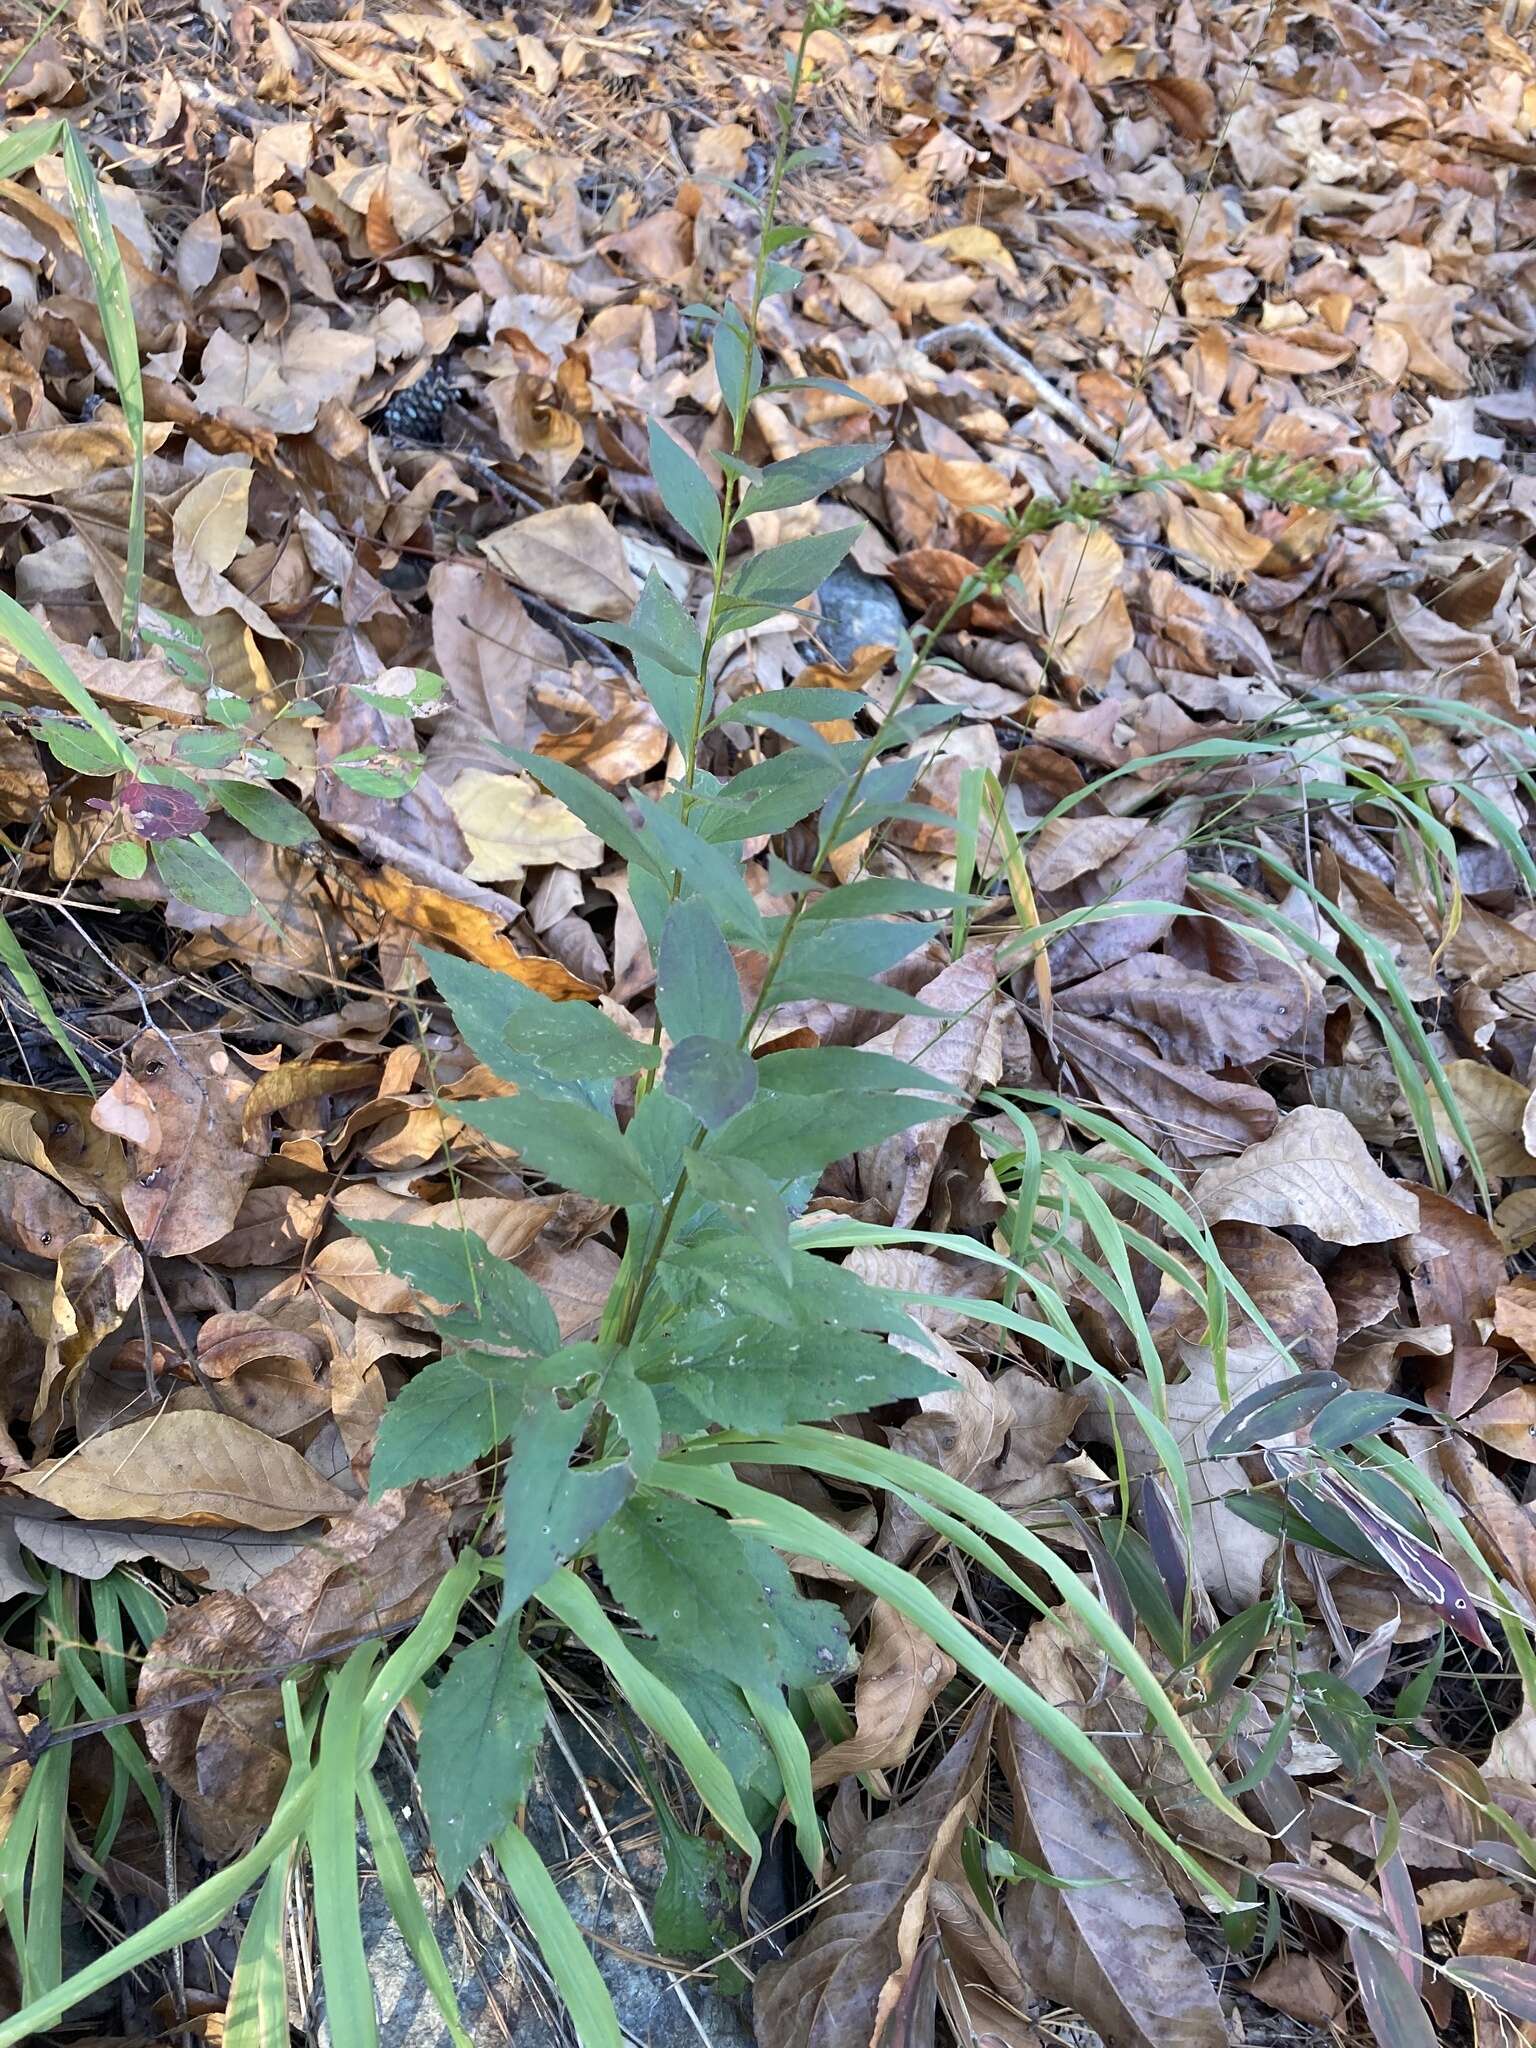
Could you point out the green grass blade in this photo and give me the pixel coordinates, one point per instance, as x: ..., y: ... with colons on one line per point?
x: 570, y: 1600
x: 795, y: 1529
x: 560, y: 1942
x: 845, y: 1458
x: 404, y: 1902
x: 256, y: 2014
x: 36, y: 647
x: 98, y: 243
x: 333, y: 1853
x: 13, y: 956
x: 782, y: 1734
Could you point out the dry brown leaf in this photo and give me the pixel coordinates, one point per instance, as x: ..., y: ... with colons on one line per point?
x: 208, y: 531
x: 966, y: 1051
x: 1316, y: 1172
x: 194, y: 1470
x: 571, y: 556
x: 1116, y: 1952
x: 1494, y: 1107
x: 191, y: 1172
x: 901, y: 1674
x: 845, y: 1969
x: 462, y: 927
x: 376, y: 1567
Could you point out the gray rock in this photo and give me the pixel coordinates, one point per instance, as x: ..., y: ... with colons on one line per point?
x: 858, y: 610
x: 502, y: 1992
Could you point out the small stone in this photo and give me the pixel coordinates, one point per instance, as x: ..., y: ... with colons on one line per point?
x: 858, y: 610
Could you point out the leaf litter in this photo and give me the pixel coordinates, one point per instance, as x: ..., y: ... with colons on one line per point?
x: 1240, y: 782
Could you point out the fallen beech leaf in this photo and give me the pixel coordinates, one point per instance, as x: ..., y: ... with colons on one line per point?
x: 571, y: 556
x: 197, y: 1470
x: 901, y: 1674
x: 464, y: 928
x: 1494, y: 1107
x: 510, y: 825
x: 45, y: 460
x: 827, y: 1992
x: 965, y: 1049
x: 208, y: 531
x: 302, y: 1081
x: 1116, y: 1952
x: 284, y: 383
x: 1316, y: 1172
x: 191, y: 1174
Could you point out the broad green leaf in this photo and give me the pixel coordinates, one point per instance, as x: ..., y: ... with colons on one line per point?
x: 738, y: 369
x: 688, y: 1913
x: 455, y: 1267
x: 453, y: 1412
x: 744, y: 1373
x: 713, y: 1078
x: 870, y: 947
x: 708, y: 871
x: 784, y: 575
x: 747, y: 1194
x: 480, y: 1734
x: 884, y: 896
x: 800, y: 704
x: 770, y: 796
x: 698, y: 992
x: 776, y: 1133
x: 718, y: 1595
x: 572, y: 1145
x: 198, y: 875
x: 800, y: 478
x: 527, y: 1037
x: 658, y: 630
x: 79, y: 748
x: 264, y: 813
x: 825, y: 1069
x: 685, y: 490
x: 720, y: 1709
x: 550, y: 1511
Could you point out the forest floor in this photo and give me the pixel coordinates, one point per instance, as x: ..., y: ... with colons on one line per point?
x: 412, y: 287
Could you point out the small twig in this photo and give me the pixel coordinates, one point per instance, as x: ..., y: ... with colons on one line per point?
x: 972, y: 333
x: 422, y: 868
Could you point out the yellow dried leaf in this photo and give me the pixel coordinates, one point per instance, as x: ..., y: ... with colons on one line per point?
x: 510, y: 825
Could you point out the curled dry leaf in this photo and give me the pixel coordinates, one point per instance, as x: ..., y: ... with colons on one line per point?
x: 963, y: 1048
x: 191, y: 1170
x: 901, y: 1674
x: 842, y: 1975
x: 1316, y: 1172
x: 510, y: 825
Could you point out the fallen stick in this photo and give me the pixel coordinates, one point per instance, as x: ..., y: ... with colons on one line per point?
x: 971, y: 333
